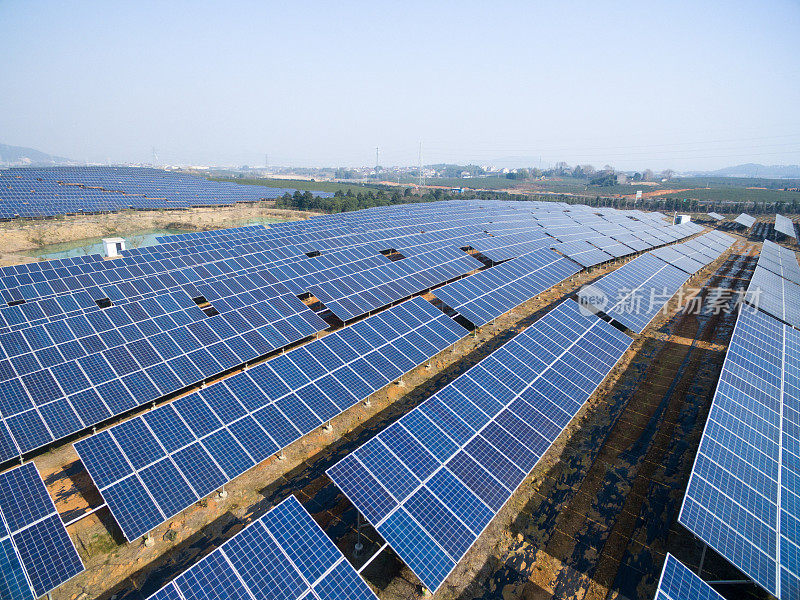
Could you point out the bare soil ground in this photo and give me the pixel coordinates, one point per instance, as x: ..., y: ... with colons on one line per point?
x: 28, y: 234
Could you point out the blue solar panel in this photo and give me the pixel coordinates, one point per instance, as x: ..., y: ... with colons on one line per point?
x: 488, y: 294
x: 636, y: 292
x: 431, y: 482
x: 214, y: 435
x: 282, y: 555
x: 36, y: 553
x: 679, y: 583
x: 742, y: 494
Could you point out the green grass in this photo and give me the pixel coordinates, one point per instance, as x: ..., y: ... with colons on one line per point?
x: 304, y: 184
x: 733, y: 194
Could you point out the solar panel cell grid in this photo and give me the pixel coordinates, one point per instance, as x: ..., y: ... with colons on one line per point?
x: 457, y: 458
x: 284, y: 554
x: 679, y: 583
x: 36, y: 552
x: 287, y: 397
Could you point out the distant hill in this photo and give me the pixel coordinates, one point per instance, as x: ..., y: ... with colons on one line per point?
x: 18, y: 156
x: 756, y: 170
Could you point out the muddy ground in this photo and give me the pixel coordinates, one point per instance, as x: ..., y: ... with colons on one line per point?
x: 593, y: 520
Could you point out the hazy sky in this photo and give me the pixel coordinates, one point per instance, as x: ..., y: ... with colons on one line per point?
x: 633, y: 84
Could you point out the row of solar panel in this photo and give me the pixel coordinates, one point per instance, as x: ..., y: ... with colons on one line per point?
x: 637, y: 291
x: 432, y: 481
x: 742, y: 497
x: 356, y: 295
x: 488, y: 294
x: 51, y: 403
x: 779, y: 260
x: 36, y: 553
x: 152, y: 467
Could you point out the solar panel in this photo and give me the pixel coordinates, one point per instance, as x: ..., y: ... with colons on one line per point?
x: 679, y: 583
x: 775, y: 295
x: 150, y: 468
x: 582, y: 252
x: 488, y: 294
x: 785, y: 226
x: 745, y: 219
x: 36, y: 552
x: 432, y: 481
x: 716, y: 216
x: 636, y: 292
x: 284, y: 554
x: 779, y: 260
x: 742, y: 495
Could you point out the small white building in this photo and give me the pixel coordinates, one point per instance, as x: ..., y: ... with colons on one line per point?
x: 114, y: 246
x: 681, y: 219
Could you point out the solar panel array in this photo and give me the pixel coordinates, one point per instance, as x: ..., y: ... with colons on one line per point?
x: 488, y: 294
x: 785, y: 226
x: 36, y: 553
x: 432, y: 482
x: 83, y: 340
x: 742, y: 498
x: 746, y: 220
x: 637, y: 291
x: 679, y: 583
x: 283, y: 555
x: 45, y: 192
x: 72, y: 330
x: 150, y: 468
x: 716, y: 216
x: 116, y: 364
x: 356, y: 295
x: 779, y: 260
